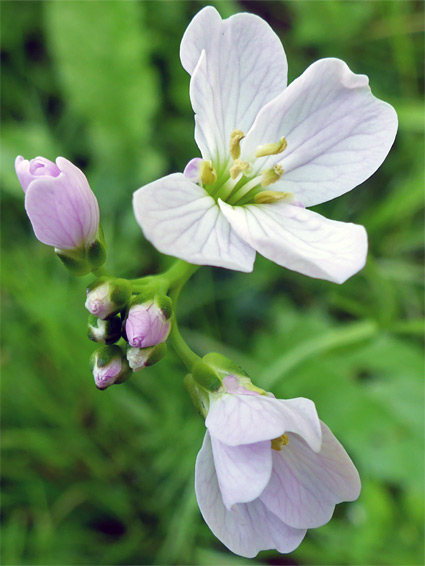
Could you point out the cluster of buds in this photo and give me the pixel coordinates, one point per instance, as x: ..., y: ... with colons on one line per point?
x: 142, y: 320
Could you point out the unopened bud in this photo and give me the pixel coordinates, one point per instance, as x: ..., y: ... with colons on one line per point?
x: 139, y: 358
x: 104, y: 331
x: 148, y: 321
x: 109, y: 366
x: 63, y: 211
x: 107, y: 296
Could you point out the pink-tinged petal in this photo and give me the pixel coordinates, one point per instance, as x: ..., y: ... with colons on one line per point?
x: 242, y: 471
x: 146, y: 326
x: 246, y: 419
x: 245, y: 67
x: 248, y: 528
x: 182, y: 220
x: 63, y: 210
x: 338, y: 133
x: 301, y: 240
x: 22, y: 168
x: 305, y: 486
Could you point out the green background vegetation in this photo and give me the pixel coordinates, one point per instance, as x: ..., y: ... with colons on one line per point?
x: 103, y: 478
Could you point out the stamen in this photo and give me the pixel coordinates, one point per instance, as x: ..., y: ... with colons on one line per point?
x: 268, y: 197
x: 208, y: 174
x: 271, y: 148
x: 280, y: 442
x: 238, y: 168
x: 235, y: 138
x: 270, y: 176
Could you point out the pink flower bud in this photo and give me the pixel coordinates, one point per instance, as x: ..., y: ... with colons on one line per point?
x: 146, y: 325
x: 59, y: 202
x: 109, y: 365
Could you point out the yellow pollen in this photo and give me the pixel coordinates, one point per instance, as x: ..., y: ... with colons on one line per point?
x: 268, y: 197
x: 238, y: 167
x: 235, y: 138
x: 271, y: 148
x: 279, y: 443
x: 208, y: 174
x: 270, y: 176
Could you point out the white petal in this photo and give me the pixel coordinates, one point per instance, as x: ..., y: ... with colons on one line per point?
x: 338, y: 133
x: 300, y: 239
x: 244, y: 68
x: 242, y: 471
x: 245, y: 419
x: 182, y: 220
x: 248, y: 528
x: 305, y: 486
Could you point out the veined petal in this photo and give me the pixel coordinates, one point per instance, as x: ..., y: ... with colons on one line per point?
x: 246, y: 529
x: 246, y: 419
x: 242, y: 471
x: 305, y: 486
x: 182, y: 220
x: 245, y: 67
x: 338, y: 133
x: 300, y: 239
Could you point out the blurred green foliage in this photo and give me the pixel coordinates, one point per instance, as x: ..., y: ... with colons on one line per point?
x: 107, y: 478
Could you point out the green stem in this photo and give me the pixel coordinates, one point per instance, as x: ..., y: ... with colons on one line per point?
x: 100, y: 271
x: 176, y: 275
x: 185, y: 270
x: 187, y: 356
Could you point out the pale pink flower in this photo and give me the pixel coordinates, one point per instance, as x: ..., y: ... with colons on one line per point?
x: 268, y: 470
x: 268, y: 151
x: 63, y: 210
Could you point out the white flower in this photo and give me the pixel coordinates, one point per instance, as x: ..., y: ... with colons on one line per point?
x: 268, y: 151
x: 268, y: 470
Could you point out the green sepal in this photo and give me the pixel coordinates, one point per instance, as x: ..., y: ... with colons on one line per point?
x: 104, y: 331
x: 148, y: 356
x: 165, y: 304
x: 198, y: 396
x: 121, y: 292
x: 105, y: 354
x: 158, y: 352
x: 206, y: 376
x: 223, y: 366
x: 74, y: 260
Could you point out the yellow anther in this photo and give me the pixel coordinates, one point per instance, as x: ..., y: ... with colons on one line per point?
x: 268, y: 197
x: 271, y: 148
x: 270, y: 176
x: 235, y: 138
x: 279, y: 443
x: 238, y: 167
x: 208, y: 174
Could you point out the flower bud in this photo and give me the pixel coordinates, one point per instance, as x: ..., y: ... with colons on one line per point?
x: 63, y: 211
x: 109, y: 366
x: 107, y: 296
x: 104, y: 331
x: 148, y: 321
x: 139, y: 358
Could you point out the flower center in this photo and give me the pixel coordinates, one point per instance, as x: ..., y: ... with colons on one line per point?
x: 237, y: 184
x: 280, y: 442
